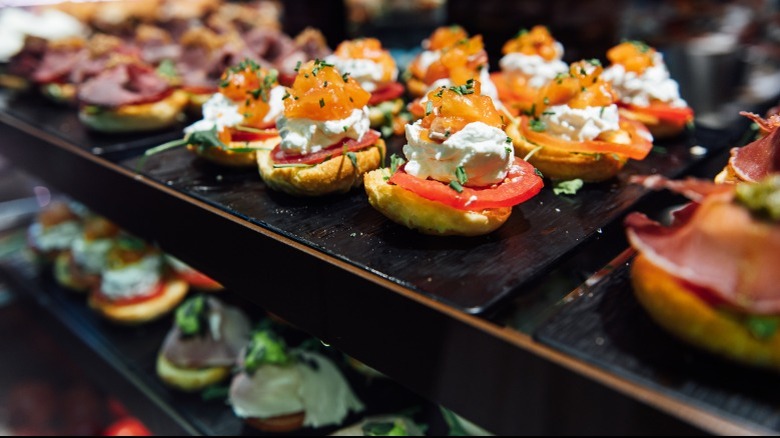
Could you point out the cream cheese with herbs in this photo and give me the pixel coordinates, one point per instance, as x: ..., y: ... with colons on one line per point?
x: 654, y: 84
x: 302, y: 136
x: 577, y: 124
x: 90, y: 255
x: 56, y: 237
x: 368, y: 73
x: 481, y: 151
x: 134, y: 280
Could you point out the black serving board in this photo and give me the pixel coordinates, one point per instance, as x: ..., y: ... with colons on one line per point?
x: 63, y: 122
x: 607, y: 326
x: 473, y: 274
x: 133, y: 350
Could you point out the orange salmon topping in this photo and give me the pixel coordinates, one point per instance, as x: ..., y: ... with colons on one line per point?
x: 450, y: 109
x: 634, y: 56
x: 537, y: 41
x: 320, y: 92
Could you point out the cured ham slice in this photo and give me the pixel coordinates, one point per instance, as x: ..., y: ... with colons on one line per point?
x: 228, y: 332
x: 58, y: 62
x: 716, y: 245
x: 762, y: 157
x: 128, y: 84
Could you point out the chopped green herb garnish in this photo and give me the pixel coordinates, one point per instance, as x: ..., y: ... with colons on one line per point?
x: 325, y: 84
x: 428, y: 108
x: 265, y: 347
x: 568, y: 187
x: 345, y: 128
x: 537, y: 125
x: 594, y: 62
x: 583, y: 72
x: 345, y: 76
x: 353, y: 158
x: 509, y: 150
x: 538, y: 172
x: 396, y: 162
x: 521, y: 32
x: 601, y: 111
x: 167, y: 69
x: 762, y: 327
x: 460, y: 174
x: 548, y: 113
x: 454, y: 185
x: 297, y: 66
x: 660, y: 150
x: 322, y: 103
x: 640, y: 45
x: 286, y: 95
x: 509, y: 140
x: 546, y: 100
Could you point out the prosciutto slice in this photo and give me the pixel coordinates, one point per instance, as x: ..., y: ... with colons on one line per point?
x: 762, y: 157
x: 127, y: 84
x: 58, y: 63
x: 219, y: 346
x: 719, y: 246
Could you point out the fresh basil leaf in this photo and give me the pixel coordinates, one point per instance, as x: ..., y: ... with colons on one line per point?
x: 206, y: 139
x: 568, y: 187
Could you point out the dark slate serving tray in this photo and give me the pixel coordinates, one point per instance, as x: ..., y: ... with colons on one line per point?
x: 608, y: 327
x: 63, y: 122
x: 473, y: 274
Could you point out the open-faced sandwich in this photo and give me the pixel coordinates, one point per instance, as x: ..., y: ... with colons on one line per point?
x: 327, y: 144
x: 79, y: 268
x: 574, y: 129
x: 455, y: 62
x: 531, y: 60
x: 711, y: 278
x: 129, y: 97
x: 462, y: 177
x: 758, y: 159
x: 53, y: 231
x: 281, y: 390
x: 192, y: 276
x: 135, y: 287
x: 645, y: 90
x: 372, y: 66
x: 238, y: 120
x: 202, y: 347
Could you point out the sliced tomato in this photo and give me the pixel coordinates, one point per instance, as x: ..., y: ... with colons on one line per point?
x: 199, y: 280
x: 239, y: 135
x: 520, y: 185
x: 127, y: 426
x: 386, y: 92
x: 199, y: 89
x: 155, y: 292
x: 668, y: 113
x: 347, y: 145
x: 640, y: 145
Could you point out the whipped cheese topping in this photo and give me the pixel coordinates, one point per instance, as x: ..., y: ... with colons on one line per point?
x: 575, y: 124
x: 367, y: 72
x: 218, y: 112
x: 50, y: 24
x: 654, y: 84
x: 91, y: 254
x: 302, y: 136
x: 538, y: 70
x: 321, y: 391
x: 275, y: 103
x: 136, y: 279
x: 480, y: 149
x: 428, y: 57
x: 56, y: 237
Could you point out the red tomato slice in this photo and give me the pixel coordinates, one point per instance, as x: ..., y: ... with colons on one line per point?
x: 520, y: 185
x: 239, y: 135
x: 386, y: 92
x: 199, y: 279
x: 347, y: 145
x: 665, y: 112
x: 638, y: 149
x: 156, y: 291
x: 127, y: 426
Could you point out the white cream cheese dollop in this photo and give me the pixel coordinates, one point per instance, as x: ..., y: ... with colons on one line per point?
x: 302, y: 136
x: 321, y: 391
x: 538, y: 70
x: 60, y: 236
x: 481, y: 150
x: 136, y: 279
x: 488, y: 87
x: 654, y: 84
x: 576, y: 124
x: 220, y: 112
x: 368, y: 73
x: 90, y: 255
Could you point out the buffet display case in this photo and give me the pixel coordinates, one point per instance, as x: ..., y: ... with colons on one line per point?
x: 532, y: 329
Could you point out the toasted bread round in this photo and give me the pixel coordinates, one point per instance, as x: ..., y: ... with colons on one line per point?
x: 562, y: 165
x: 70, y: 276
x: 693, y: 320
x: 376, y: 113
x: 416, y: 87
x: 280, y: 424
x: 189, y: 379
x: 226, y: 157
x: 429, y: 217
x: 337, y: 175
x: 144, y: 311
x: 659, y: 128
x: 142, y: 117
